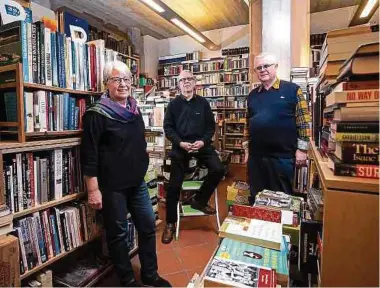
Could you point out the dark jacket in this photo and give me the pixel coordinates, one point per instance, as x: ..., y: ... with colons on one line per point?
x: 189, y: 121
x: 114, y: 152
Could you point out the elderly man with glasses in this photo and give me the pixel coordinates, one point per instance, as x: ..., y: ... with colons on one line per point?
x: 189, y: 124
x: 278, y: 122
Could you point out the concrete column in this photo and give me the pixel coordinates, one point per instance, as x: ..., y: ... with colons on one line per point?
x: 285, y: 32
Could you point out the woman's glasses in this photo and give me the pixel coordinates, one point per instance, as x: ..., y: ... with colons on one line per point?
x: 118, y: 80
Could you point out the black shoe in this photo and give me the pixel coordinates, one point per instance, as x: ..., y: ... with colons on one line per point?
x: 167, y: 235
x: 203, y: 208
x: 155, y: 282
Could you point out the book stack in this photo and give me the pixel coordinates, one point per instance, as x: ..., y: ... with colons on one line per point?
x: 238, y: 193
x: 339, y: 46
x: 351, y: 117
x: 253, y: 252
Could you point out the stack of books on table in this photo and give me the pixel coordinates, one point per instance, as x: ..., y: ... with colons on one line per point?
x: 255, y: 248
x: 352, y: 116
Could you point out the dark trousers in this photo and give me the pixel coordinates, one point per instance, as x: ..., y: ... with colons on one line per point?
x: 270, y: 173
x: 116, y: 205
x: 179, y: 163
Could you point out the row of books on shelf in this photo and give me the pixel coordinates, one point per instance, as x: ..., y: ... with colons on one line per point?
x: 232, y: 90
x: 178, y: 58
x: 49, y: 233
x: 235, y: 51
x: 301, y: 178
x: 235, y: 116
x: 223, y: 77
x: 50, y: 58
x: 34, y: 178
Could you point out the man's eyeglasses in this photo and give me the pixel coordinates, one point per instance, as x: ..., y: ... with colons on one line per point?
x: 118, y: 80
x: 189, y: 79
x: 263, y: 67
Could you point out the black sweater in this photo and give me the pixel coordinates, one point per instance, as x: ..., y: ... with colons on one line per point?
x: 189, y: 121
x: 114, y: 152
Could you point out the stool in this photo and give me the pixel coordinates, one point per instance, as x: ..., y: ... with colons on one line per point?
x: 195, y: 186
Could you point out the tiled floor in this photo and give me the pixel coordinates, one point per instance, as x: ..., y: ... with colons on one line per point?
x: 179, y: 260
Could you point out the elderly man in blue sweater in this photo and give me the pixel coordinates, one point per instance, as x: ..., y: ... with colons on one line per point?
x: 279, y: 129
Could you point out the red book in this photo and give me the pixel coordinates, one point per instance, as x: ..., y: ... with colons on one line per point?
x: 255, y: 212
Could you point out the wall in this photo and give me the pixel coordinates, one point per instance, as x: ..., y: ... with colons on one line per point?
x: 231, y: 37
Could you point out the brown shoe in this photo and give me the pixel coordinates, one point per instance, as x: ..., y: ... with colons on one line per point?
x: 168, y: 234
x: 203, y: 208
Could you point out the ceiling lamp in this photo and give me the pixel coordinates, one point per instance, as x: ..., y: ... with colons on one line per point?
x: 171, y: 16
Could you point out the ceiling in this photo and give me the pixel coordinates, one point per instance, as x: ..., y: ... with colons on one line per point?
x: 324, y: 5
x: 205, y: 14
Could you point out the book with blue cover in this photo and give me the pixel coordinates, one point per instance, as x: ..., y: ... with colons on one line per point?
x: 259, y: 256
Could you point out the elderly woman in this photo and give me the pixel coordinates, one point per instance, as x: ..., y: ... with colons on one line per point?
x: 114, y: 161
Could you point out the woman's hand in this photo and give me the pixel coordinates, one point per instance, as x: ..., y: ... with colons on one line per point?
x: 95, y: 199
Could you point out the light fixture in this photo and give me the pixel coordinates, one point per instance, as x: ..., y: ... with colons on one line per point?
x: 188, y: 30
x: 368, y: 8
x: 154, y: 5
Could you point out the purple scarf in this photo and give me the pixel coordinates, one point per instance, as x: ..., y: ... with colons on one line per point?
x: 115, y: 111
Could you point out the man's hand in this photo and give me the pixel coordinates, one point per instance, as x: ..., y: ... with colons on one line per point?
x: 95, y: 199
x: 186, y: 146
x: 197, y: 145
x: 301, y: 157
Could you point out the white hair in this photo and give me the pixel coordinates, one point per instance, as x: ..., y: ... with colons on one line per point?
x: 269, y: 58
x: 185, y: 71
x: 115, y: 65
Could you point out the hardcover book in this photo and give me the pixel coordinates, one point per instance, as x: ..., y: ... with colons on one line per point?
x: 252, y: 231
x: 239, y: 251
x: 357, y: 153
x: 228, y: 273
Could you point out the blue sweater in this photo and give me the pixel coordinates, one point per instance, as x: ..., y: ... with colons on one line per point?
x: 272, y: 121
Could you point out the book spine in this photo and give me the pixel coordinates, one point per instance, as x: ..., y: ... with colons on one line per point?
x: 364, y: 153
x: 42, y: 53
x: 40, y: 237
x: 15, y: 185
x: 357, y: 137
x: 24, y: 51
x: 35, y: 53
x: 48, y: 66
x: 351, y: 170
x: 354, y: 127
x: 30, y: 52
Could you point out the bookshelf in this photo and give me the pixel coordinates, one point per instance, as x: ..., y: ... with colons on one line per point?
x: 20, y: 86
x: 224, y: 82
x: 350, y: 227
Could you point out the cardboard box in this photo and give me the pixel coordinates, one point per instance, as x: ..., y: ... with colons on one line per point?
x: 9, y: 262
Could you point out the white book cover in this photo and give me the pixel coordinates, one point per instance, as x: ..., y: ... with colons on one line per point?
x: 58, y: 162
x: 30, y: 54
x: 36, y: 113
x: 48, y: 69
x: 258, y: 229
x: 41, y: 96
x: 19, y: 182
x: 29, y: 111
x: 69, y: 61
x: 77, y: 62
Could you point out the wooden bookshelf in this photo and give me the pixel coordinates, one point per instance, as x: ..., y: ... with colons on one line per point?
x: 52, y: 260
x: 54, y: 133
x: 12, y: 147
x: 58, y: 89
x: 49, y: 204
x: 350, y: 227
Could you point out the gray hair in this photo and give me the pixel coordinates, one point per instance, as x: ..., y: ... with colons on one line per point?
x: 115, y: 65
x: 185, y: 71
x: 269, y: 58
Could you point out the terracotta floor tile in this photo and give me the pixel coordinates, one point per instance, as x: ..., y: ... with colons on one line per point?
x: 197, y: 270
x: 163, y: 247
x: 195, y: 256
x: 179, y: 279
x: 168, y: 262
x: 189, y: 238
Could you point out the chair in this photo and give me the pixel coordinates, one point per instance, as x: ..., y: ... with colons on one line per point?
x: 187, y: 211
